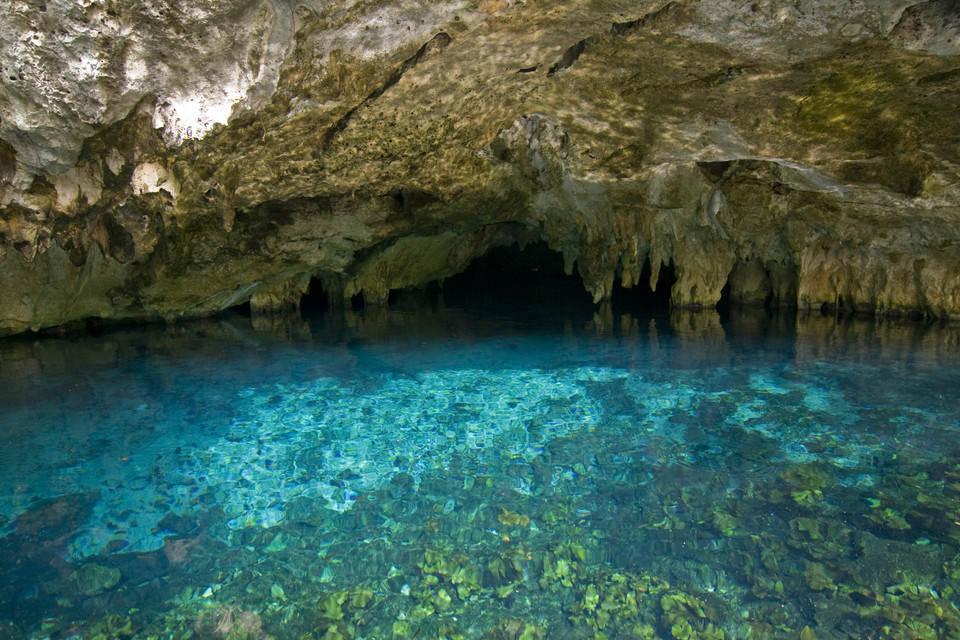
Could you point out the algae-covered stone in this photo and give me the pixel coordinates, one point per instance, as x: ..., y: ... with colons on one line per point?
x: 817, y: 577
x: 331, y: 605
x: 442, y: 600
x: 92, y: 579
x: 361, y: 597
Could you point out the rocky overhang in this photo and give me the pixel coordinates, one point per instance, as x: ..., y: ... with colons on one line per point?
x: 167, y: 160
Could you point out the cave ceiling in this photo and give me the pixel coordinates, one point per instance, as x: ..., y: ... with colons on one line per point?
x: 164, y: 160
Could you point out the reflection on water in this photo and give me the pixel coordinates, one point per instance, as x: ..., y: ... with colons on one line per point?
x: 429, y: 472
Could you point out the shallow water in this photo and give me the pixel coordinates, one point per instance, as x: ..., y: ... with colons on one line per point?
x: 447, y: 473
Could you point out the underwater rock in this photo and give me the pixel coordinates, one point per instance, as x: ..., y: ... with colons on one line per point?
x: 806, y: 157
x: 229, y: 622
x: 885, y: 562
x: 92, y: 579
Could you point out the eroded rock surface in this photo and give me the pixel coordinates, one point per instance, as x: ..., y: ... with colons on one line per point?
x: 158, y: 161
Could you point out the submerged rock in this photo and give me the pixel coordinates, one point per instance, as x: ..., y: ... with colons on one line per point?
x: 161, y: 163
x: 92, y: 579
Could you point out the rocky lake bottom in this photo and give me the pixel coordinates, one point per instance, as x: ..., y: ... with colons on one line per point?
x: 440, y: 474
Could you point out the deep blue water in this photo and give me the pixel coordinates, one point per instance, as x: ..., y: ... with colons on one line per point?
x: 442, y: 472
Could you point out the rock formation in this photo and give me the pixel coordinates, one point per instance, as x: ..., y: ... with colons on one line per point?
x: 165, y: 160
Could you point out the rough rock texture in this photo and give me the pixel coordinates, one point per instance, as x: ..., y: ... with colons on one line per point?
x: 161, y: 161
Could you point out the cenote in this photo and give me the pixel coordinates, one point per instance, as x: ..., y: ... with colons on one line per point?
x: 473, y: 463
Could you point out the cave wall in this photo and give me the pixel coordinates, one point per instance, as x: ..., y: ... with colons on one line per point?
x: 165, y: 162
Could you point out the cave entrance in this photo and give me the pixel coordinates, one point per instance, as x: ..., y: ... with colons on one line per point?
x: 511, y: 281
x: 641, y: 299
x: 316, y: 300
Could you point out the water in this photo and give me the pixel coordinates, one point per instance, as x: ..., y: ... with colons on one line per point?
x: 442, y: 472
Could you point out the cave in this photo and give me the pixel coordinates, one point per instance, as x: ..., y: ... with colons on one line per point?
x: 825, y: 165
x: 518, y: 280
x: 479, y: 319
x: 641, y: 299
x: 316, y: 300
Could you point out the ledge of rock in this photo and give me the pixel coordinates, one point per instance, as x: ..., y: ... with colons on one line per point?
x: 164, y: 162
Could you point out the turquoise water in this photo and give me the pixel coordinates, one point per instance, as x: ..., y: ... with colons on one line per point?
x: 442, y: 473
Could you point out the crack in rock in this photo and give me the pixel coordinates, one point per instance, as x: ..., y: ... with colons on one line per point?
x: 436, y: 44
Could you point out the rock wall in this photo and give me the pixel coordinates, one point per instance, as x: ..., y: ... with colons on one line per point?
x: 162, y: 162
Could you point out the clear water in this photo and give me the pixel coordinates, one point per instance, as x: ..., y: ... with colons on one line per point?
x: 450, y: 473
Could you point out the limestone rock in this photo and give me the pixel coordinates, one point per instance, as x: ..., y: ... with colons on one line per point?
x: 162, y: 162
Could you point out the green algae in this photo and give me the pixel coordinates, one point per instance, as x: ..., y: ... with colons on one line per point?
x: 112, y: 627
x: 806, y: 484
x: 855, y: 106
x: 875, y: 106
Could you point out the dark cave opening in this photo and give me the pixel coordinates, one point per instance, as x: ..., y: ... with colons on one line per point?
x: 641, y: 298
x: 513, y: 281
x: 315, y: 300
x: 723, y: 306
x: 243, y: 309
x: 510, y: 279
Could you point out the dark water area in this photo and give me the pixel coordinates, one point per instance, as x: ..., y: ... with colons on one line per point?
x: 534, y: 467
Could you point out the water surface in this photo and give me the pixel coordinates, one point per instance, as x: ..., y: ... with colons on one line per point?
x: 448, y: 472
